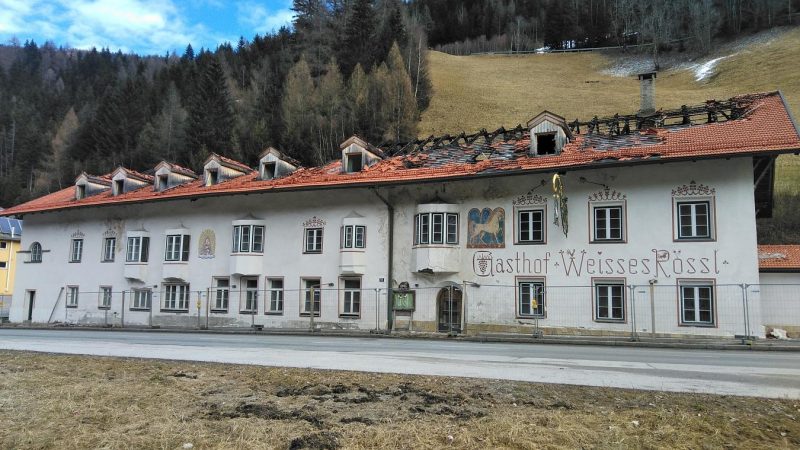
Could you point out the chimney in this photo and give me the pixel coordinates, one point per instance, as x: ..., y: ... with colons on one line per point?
x: 647, y: 91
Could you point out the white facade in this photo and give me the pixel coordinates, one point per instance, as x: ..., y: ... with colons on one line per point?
x: 568, y: 267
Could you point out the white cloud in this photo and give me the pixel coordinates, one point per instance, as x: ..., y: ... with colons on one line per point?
x: 13, y: 14
x: 263, y: 20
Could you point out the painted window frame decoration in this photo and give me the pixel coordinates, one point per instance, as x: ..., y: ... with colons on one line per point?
x: 248, y: 295
x: 691, y: 195
x: 305, y: 296
x: 351, y: 294
x: 275, y: 301
x: 137, y: 249
x: 695, y: 287
x: 222, y: 294
x: 530, y: 203
x: 76, y: 250
x: 608, y: 284
x: 429, y: 225
x: 605, y: 201
x: 248, y: 238
x: 176, y: 247
x: 354, y: 237
x: 486, y: 228
x: 540, y: 288
x: 314, y: 236
x: 109, y: 249
x: 176, y: 297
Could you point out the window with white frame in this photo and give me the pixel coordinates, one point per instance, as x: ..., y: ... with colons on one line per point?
x: 3, y: 264
x: 608, y: 223
x: 354, y: 236
x: 105, y: 296
x: 530, y: 226
x: 351, y: 297
x: 35, y: 253
x: 109, y: 249
x: 2, y: 245
x: 697, y: 303
x: 248, y: 239
x: 76, y: 251
x: 221, y: 294
x: 530, y: 298
x: 694, y: 219
x: 176, y: 297
x: 177, y: 247
x: 609, y: 301
x: 436, y: 228
x: 312, y: 297
x: 142, y: 299
x: 138, y: 249
x: 275, y: 295
x: 72, y: 296
x: 313, y: 240
x: 250, y: 293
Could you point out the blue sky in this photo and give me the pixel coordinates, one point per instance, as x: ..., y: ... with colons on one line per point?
x: 140, y: 26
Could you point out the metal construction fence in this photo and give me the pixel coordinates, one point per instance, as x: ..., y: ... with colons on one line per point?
x: 607, y: 307
x: 5, y: 307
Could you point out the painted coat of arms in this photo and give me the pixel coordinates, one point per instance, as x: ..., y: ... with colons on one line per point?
x: 486, y: 228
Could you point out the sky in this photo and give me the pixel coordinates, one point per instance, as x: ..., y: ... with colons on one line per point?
x: 140, y: 26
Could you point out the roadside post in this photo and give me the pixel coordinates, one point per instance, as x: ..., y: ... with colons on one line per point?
x: 208, y: 299
x: 311, y: 307
x: 198, y: 310
x: 652, y: 307
x: 122, y: 316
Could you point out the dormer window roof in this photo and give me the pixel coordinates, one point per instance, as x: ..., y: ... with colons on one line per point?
x: 169, y: 175
x: 218, y: 168
x: 274, y: 164
x: 87, y: 185
x: 357, y: 154
x: 127, y: 180
x: 549, y: 133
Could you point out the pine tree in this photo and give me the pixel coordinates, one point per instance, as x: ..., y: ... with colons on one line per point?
x: 211, y: 116
x: 298, y: 107
x: 333, y: 116
x: 400, y: 103
x: 188, y: 55
x: 52, y: 174
x: 357, y: 45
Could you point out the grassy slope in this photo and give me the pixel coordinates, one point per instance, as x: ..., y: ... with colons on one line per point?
x: 474, y: 92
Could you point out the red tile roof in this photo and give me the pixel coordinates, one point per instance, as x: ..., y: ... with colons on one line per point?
x: 766, y: 127
x: 779, y: 258
x: 231, y: 163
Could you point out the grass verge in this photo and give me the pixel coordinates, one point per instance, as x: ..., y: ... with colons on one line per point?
x: 60, y: 401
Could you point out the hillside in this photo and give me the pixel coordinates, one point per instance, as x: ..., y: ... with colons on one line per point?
x: 474, y: 92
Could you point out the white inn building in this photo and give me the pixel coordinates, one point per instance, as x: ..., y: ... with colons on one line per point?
x: 630, y: 224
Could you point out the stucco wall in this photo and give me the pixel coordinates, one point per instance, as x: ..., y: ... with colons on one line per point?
x: 780, y: 301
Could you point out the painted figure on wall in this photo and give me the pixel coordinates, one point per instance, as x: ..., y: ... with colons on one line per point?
x: 207, y: 244
x: 486, y: 228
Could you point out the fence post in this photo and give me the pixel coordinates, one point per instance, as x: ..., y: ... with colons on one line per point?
x: 199, y: 296
x: 208, y: 300
x: 377, y: 309
x: 653, y: 308
x: 632, y: 288
x: 122, y: 316
x: 745, y: 312
x: 311, y: 304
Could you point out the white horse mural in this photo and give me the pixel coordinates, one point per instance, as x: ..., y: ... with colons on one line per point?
x: 486, y: 228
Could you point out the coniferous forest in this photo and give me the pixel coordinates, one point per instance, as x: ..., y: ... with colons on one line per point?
x: 344, y: 67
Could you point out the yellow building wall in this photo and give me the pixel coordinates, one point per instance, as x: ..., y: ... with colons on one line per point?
x: 9, y: 256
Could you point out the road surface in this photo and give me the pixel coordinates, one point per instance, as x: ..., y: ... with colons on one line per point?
x: 749, y: 373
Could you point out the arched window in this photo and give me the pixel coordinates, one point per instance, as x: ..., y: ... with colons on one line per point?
x: 36, y: 252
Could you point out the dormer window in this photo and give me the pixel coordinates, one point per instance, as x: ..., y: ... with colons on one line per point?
x: 546, y: 144
x: 162, y: 182
x: 354, y: 162
x: 212, y: 177
x: 80, y: 191
x: 274, y: 164
x: 119, y: 187
x: 268, y: 171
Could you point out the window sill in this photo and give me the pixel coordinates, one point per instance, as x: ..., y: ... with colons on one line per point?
x: 178, y: 311
x: 135, y: 263
x: 698, y: 325
x: 176, y: 262
x: 247, y: 253
x: 73, y: 262
x: 104, y: 308
x: 31, y: 262
x: 107, y: 261
x: 608, y: 241
x: 72, y: 306
x: 139, y: 309
x: 350, y: 316
x: 273, y: 313
x: 694, y: 240
x: 530, y: 243
x: 313, y: 253
x: 611, y: 320
x: 435, y: 246
x: 542, y: 316
x: 309, y: 314
x: 249, y: 313
x: 219, y: 311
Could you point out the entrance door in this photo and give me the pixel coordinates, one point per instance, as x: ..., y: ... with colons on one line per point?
x: 31, y: 297
x: 449, y: 309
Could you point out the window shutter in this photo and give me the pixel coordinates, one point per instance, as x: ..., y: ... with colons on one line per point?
x: 185, y: 248
x: 145, y: 249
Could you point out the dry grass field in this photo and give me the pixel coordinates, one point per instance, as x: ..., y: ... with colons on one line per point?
x: 59, y: 401
x: 474, y: 92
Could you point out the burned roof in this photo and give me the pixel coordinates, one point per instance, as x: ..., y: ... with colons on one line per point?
x: 747, y: 125
x: 779, y: 258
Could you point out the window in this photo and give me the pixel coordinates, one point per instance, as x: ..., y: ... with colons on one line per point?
x: 119, y: 187
x: 80, y: 191
x: 36, y: 253
x: 351, y: 301
x: 269, y: 171
x: 3, y: 245
x: 213, y: 177
x: 313, y: 240
x: 546, y: 144
x: 76, y: 251
x: 530, y: 296
x: 354, y: 162
x: 177, y: 248
x: 162, y: 182
x: 275, y: 295
x: 109, y: 247
x: 697, y: 304
x: 176, y: 297
x: 72, y: 296
x: 3, y: 264
x: 694, y: 220
x: 248, y: 239
x: 105, y: 297
x: 608, y: 223
x: 436, y: 228
x: 311, y: 289
x: 609, y: 301
x: 353, y: 236
x: 141, y: 299
x: 250, y: 304
x: 530, y: 226
x: 221, y: 294
x: 138, y: 249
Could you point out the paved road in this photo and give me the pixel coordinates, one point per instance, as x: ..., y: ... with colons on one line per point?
x: 765, y: 374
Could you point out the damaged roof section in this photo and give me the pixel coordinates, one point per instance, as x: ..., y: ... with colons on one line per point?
x: 754, y: 124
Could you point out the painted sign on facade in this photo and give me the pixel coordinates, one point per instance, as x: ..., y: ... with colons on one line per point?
x: 486, y: 228
x: 659, y: 263
x: 207, y: 244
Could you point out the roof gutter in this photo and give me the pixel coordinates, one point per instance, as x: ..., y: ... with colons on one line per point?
x: 373, y: 185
